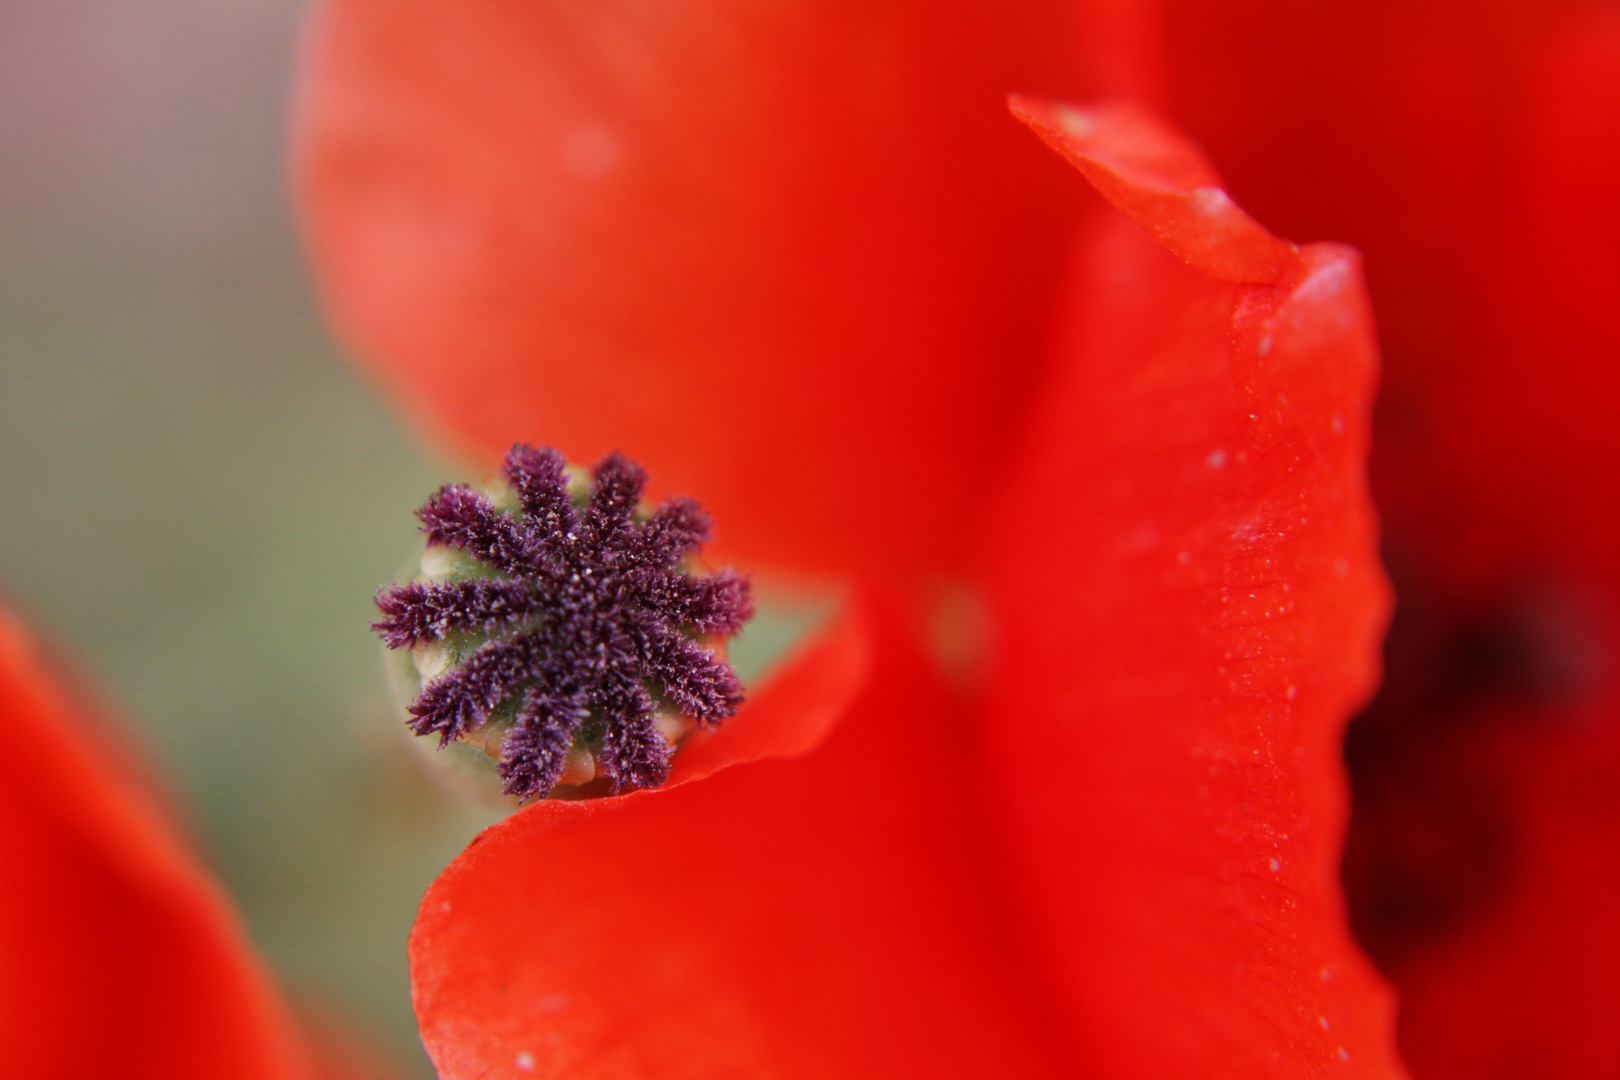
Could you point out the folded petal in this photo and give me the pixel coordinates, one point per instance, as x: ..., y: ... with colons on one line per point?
x: 1156, y: 177
x: 825, y: 916
x: 1191, y: 606
x: 119, y: 956
x: 793, y: 257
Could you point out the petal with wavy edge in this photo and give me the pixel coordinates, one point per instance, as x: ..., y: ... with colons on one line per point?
x: 1192, y: 605
x: 819, y: 917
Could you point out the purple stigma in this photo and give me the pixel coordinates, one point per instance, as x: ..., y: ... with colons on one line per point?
x: 580, y: 624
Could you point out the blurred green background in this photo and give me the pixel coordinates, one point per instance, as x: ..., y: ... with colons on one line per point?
x: 197, y: 497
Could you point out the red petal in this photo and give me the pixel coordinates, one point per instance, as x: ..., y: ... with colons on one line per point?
x: 818, y: 917
x: 1534, y: 412
x: 1519, y: 973
x: 119, y: 957
x: 1400, y: 128
x: 793, y: 258
x: 1528, y: 987
x: 794, y: 710
x: 1157, y: 178
x: 1473, y: 152
x: 1192, y: 606
x: 1379, y: 123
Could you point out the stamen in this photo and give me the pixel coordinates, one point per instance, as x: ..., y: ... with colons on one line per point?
x: 567, y: 637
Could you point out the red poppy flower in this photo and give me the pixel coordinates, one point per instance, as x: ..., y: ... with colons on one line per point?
x: 799, y: 261
x: 119, y: 956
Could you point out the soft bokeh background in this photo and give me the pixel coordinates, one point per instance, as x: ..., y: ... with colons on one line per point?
x: 197, y: 497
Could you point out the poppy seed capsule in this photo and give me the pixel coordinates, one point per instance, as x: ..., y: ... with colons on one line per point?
x: 560, y: 627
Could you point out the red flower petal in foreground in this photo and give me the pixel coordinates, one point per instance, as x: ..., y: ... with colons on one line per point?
x: 1192, y: 605
x: 118, y: 956
x: 825, y: 916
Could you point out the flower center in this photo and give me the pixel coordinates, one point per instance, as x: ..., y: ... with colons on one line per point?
x: 562, y: 628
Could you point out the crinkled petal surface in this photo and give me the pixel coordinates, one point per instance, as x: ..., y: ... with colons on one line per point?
x: 119, y: 957
x: 1191, y: 604
x: 824, y: 916
x: 768, y: 250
